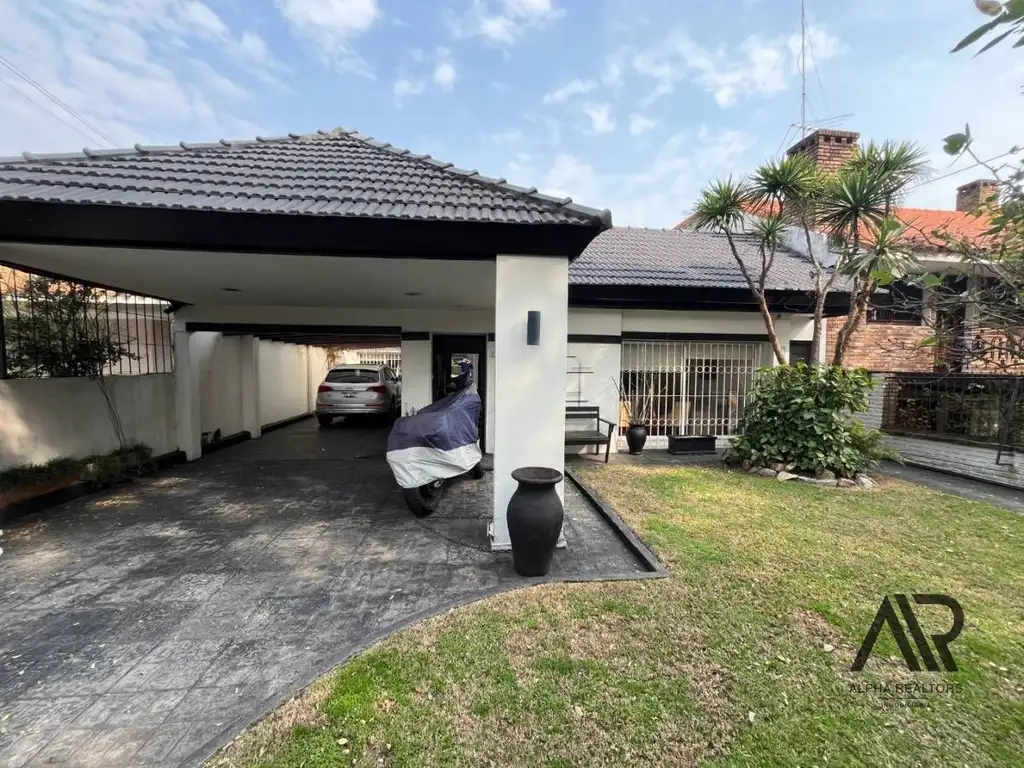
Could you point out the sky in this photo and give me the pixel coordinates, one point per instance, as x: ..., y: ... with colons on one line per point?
x: 632, y: 105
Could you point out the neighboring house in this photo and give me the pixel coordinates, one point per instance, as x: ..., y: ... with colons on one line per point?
x: 335, y: 239
x: 890, y: 340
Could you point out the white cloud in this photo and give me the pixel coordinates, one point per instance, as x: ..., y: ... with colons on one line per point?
x: 639, y: 124
x: 503, y: 22
x: 758, y: 67
x: 119, y: 64
x: 506, y: 138
x: 204, y: 18
x: 657, y: 192
x: 600, y: 117
x: 574, y: 87
x: 444, y: 70
x: 332, y: 25
x: 404, y: 87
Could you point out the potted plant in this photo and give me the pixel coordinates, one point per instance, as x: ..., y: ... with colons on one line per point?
x: 637, y: 404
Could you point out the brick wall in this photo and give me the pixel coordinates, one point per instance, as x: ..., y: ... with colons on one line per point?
x: 829, y: 149
x: 884, y: 347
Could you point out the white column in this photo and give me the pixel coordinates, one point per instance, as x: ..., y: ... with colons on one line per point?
x: 249, y: 383
x: 186, y: 397
x: 416, y: 372
x: 310, y: 396
x: 529, y: 381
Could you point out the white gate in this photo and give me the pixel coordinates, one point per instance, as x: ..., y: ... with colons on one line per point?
x: 697, y: 387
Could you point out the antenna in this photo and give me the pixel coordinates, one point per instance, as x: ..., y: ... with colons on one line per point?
x: 803, y: 68
x: 805, y: 48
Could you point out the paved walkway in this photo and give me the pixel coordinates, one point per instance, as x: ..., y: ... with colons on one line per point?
x: 977, y: 490
x: 148, y: 625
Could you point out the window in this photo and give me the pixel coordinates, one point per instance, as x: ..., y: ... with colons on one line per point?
x: 695, y: 387
x: 899, y: 303
x: 353, y: 376
x: 799, y: 352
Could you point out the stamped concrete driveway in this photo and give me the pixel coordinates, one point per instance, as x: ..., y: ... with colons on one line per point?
x: 147, y: 625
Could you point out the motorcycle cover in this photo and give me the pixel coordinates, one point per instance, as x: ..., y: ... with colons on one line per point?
x: 439, y: 441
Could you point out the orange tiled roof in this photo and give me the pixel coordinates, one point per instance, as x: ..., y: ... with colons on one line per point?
x: 921, y: 224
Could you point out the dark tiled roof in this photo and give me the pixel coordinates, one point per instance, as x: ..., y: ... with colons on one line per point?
x: 682, y: 258
x: 322, y: 174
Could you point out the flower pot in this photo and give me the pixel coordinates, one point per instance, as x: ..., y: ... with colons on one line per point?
x: 534, y: 519
x: 636, y: 438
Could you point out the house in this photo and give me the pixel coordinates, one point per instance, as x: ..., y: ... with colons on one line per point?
x: 890, y: 339
x: 268, y: 247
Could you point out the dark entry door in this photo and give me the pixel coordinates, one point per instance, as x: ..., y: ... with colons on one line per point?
x: 451, y: 347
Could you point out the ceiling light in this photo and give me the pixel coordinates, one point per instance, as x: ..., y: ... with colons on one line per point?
x: 413, y: 293
x: 232, y: 290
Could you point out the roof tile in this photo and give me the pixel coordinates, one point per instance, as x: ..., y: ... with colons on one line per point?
x: 358, y: 175
x: 683, y: 258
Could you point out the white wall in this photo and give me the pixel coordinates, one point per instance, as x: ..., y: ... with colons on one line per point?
x: 284, y: 381
x: 43, y: 419
x: 416, y: 374
x: 529, y: 383
x: 216, y: 361
x: 667, y: 321
x: 436, y: 320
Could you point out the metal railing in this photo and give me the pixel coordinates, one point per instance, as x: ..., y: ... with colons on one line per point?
x: 695, y: 387
x: 58, y: 328
x: 967, y: 407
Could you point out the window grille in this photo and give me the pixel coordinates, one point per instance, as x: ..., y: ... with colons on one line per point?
x: 697, y: 387
x: 51, y: 327
x: 389, y: 356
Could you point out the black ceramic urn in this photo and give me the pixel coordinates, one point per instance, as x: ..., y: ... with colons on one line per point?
x: 534, y: 519
x: 636, y: 438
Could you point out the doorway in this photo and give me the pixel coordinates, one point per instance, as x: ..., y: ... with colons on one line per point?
x: 447, y: 350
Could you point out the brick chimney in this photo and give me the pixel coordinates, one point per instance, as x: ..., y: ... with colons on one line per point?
x: 974, y: 193
x: 828, y: 149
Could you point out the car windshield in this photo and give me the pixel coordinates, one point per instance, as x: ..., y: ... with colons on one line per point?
x: 353, y: 376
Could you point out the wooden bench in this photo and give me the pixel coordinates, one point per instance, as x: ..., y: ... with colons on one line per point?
x: 584, y: 437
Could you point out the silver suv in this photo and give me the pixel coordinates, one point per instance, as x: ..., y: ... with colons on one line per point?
x: 355, y: 390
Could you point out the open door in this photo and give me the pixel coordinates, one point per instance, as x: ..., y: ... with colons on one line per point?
x: 447, y: 350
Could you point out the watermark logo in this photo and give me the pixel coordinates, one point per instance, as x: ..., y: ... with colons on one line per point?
x: 887, y: 615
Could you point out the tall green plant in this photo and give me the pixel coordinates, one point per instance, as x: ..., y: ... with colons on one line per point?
x: 799, y: 415
x: 56, y: 328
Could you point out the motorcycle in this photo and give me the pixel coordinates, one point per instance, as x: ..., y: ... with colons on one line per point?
x: 439, y: 442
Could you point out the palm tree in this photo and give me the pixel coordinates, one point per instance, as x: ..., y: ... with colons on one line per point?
x: 855, y: 210
x: 722, y: 208
x: 792, y: 186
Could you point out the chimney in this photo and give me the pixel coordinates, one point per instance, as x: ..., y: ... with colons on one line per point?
x: 971, y: 195
x: 828, y: 149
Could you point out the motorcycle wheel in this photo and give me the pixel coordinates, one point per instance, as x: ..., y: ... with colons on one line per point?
x: 477, y: 472
x: 423, y: 501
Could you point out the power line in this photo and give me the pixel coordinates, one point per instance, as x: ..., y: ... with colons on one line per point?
x: 4, y: 61
x: 40, y: 107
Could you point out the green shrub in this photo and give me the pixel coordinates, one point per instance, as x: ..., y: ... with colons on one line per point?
x: 799, y: 415
x: 35, y: 474
x: 870, y: 443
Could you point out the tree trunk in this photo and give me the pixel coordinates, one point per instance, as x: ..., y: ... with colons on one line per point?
x: 762, y: 303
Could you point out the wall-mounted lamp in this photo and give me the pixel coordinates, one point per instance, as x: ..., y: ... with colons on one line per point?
x: 533, y: 328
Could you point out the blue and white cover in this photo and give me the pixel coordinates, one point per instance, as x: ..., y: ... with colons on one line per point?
x: 439, y: 441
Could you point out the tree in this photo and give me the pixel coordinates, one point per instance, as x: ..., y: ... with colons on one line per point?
x: 56, y: 328
x: 994, y: 299
x: 721, y: 209
x: 852, y: 207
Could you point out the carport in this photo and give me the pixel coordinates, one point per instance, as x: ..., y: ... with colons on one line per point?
x: 319, y: 238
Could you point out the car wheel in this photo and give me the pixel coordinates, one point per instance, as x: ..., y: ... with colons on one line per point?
x: 325, y: 421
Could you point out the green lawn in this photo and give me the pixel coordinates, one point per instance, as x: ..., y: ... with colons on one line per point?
x: 741, y: 657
